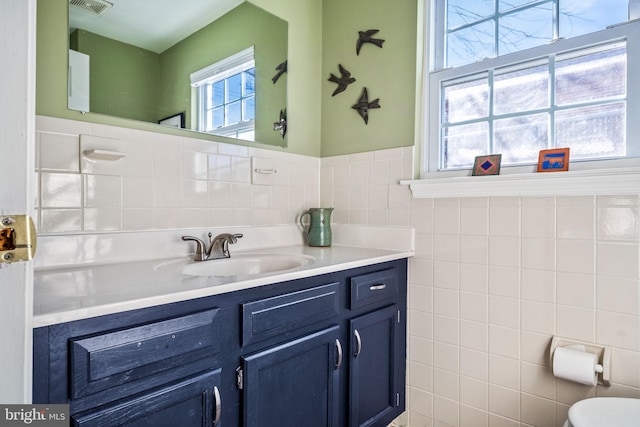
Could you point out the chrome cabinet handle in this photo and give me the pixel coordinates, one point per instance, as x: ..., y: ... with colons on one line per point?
x: 377, y: 287
x: 216, y: 394
x: 358, y: 343
x: 339, y: 348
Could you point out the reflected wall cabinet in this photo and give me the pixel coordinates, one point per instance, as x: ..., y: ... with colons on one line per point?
x: 78, y: 81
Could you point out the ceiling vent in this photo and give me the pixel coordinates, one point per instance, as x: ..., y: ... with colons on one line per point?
x: 97, y: 7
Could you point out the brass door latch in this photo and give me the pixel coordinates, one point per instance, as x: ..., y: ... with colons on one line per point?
x: 17, y: 238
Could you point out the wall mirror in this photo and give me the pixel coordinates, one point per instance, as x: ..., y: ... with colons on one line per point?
x: 143, y: 59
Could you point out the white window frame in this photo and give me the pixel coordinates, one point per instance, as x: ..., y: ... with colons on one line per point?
x: 619, y: 176
x: 234, y: 64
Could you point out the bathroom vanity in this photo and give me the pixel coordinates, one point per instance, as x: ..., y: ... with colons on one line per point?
x: 321, y: 346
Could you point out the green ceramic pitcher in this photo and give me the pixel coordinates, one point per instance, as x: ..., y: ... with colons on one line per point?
x: 319, y: 231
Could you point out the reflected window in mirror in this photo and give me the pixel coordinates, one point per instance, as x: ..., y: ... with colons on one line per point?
x: 226, y: 96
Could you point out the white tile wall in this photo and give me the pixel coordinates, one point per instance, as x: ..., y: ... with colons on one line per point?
x: 364, y: 188
x: 164, y: 182
x: 492, y: 280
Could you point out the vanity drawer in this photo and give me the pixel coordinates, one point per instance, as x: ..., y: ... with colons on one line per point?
x: 121, y: 357
x: 270, y: 317
x: 376, y: 287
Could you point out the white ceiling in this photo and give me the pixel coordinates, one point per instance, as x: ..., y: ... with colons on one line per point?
x: 155, y: 25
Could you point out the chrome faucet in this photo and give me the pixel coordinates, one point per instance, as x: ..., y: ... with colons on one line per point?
x: 218, y: 246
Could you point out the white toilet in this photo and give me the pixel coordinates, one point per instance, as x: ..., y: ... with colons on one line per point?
x: 605, y: 412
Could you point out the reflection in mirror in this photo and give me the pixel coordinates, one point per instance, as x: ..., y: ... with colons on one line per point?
x: 217, y: 76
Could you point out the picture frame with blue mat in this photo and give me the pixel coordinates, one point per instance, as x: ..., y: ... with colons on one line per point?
x: 487, y: 165
x: 553, y: 160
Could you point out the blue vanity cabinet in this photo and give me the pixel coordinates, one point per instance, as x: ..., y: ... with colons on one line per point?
x: 193, y: 402
x: 374, y: 392
x: 284, y: 354
x: 291, y: 358
x: 377, y: 357
x: 150, y: 366
x: 295, y: 383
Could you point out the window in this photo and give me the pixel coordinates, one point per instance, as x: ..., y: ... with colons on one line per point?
x: 514, y: 77
x: 226, y: 96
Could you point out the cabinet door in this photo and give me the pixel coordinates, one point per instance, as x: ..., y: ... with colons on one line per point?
x: 294, y: 384
x: 79, y: 80
x: 373, y: 368
x: 190, y: 403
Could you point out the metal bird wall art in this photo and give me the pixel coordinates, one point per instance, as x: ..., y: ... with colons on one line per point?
x: 281, y: 125
x: 343, y: 81
x: 366, y: 37
x: 363, y: 106
x: 281, y: 69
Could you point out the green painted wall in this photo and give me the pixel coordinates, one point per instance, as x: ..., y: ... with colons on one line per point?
x: 124, y: 80
x: 303, y: 97
x: 51, y: 59
x: 305, y: 70
x: 388, y: 73
x: 322, y: 34
x: 268, y: 35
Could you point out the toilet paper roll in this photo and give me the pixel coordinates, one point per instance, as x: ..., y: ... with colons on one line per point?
x: 575, y: 365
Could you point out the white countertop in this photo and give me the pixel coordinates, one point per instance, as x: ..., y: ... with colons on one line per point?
x: 65, y: 294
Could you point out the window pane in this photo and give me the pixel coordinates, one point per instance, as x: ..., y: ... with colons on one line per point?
x: 592, y: 131
x: 233, y: 112
x: 519, y: 139
x: 217, y: 118
x: 234, y: 87
x: 579, y: 17
x: 461, y: 12
x: 526, y: 29
x: 218, y: 93
x: 227, y: 98
x: 461, y: 144
x: 521, y: 90
x: 558, y: 98
x: 249, y: 82
x: 591, y: 77
x: 507, y: 5
x: 248, y: 109
x: 470, y: 44
x: 466, y: 101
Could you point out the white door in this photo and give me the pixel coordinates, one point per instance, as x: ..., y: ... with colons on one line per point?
x: 17, y: 165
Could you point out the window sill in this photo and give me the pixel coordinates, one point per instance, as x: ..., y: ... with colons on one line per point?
x: 573, y: 183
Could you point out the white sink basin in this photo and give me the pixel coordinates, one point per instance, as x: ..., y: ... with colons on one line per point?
x: 248, y: 265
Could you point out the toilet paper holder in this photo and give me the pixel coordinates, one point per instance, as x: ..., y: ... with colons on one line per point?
x: 604, y: 355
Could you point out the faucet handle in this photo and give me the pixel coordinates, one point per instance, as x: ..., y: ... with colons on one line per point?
x: 233, y: 239
x: 220, y: 245
x: 201, y: 251
x: 228, y: 239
